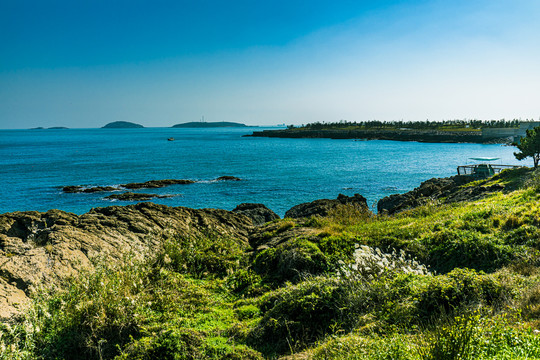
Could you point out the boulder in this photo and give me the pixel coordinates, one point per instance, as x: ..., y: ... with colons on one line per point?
x: 322, y: 207
x: 258, y: 213
x: 228, y: 178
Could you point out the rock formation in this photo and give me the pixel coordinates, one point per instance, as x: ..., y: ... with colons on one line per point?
x: 45, y: 248
x: 152, y: 184
x: 93, y: 189
x: 131, y: 196
x: 322, y: 207
x: 228, y: 178
x: 258, y: 213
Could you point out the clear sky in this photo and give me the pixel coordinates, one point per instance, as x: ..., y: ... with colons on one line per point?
x: 84, y: 63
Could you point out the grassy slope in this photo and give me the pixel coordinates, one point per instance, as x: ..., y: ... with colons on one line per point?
x: 320, y: 295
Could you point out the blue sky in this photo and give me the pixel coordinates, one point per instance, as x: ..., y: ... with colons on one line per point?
x: 159, y: 63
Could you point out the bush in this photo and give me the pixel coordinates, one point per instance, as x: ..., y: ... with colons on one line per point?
x: 449, y: 249
x: 245, y: 282
x: 202, y: 256
x: 453, y: 340
x: 459, y: 289
x: 290, y: 262
x: 186, y: 344
x: 94, y: 316
x: 295, y: 316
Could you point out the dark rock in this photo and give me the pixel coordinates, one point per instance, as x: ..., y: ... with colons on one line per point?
x: 258, y: 213
x: 72, y: 189
x: 100, y: 189
x: 152, y: 184
x: 228, y: 178
x: 323, y: 206
x: 130, y: 196
x: 82, y: 189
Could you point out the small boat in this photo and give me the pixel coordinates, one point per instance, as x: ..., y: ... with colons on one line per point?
x: 170, y: 139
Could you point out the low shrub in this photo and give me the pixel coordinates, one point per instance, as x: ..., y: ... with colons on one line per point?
x: 452, y: 248
x: 459, y: 289
x: 290, y: 262
x: 246, y: 282
x: 202, y: 256
x: 295, y: 316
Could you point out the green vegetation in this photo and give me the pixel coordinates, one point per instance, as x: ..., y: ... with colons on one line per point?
x: 445, y: 125
x: 452, y: 281
x: 529, y: 146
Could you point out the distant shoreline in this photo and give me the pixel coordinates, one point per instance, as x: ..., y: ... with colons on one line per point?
x: 428, y: 136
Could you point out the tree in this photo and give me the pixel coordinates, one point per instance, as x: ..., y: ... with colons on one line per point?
x: 529, y: 146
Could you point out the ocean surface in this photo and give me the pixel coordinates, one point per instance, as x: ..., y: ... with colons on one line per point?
x: 280, y: 173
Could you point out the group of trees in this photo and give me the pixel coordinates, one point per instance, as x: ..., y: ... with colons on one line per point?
x: 376, y: 124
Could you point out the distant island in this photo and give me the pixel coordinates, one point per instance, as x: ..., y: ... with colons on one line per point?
x: 201, y: 124
x: 122, y: 125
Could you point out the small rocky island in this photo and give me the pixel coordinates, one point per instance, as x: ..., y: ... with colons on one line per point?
x: 202, y: 124
x: 122, y: 125
x: 131, y: 196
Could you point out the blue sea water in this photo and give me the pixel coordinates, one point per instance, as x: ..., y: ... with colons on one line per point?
x: 280, y: 173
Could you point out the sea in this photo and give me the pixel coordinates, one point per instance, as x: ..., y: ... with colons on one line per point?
x: 279, y: 173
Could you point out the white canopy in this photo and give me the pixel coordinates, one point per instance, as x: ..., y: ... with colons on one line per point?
x: 484, y: 159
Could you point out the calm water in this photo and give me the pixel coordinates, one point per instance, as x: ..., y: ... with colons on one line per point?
x: 280, y: 173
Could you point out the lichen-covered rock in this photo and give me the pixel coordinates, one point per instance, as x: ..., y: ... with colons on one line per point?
x: 45, y: 248
x: 322, y: 207
x: 258, y: 213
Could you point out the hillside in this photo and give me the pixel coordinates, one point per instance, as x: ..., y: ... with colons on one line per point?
x: 454, y: 276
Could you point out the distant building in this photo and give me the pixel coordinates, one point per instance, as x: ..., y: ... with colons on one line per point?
x: 512, y: 134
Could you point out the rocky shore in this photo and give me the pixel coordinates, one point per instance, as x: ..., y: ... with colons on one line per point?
x: 47, y: 248
x: 38, y: 249
x: 131, y: 196
x: 431, y: 136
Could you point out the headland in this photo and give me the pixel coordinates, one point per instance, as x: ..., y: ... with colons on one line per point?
x: 455, y: 131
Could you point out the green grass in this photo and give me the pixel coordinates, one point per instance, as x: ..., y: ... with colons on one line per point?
x: 454, y: 281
